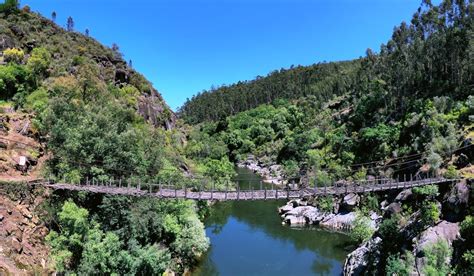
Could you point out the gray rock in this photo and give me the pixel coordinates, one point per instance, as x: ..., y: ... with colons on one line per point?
x: 456, y: 202
x: 404, y: 195
x: 393, y: 208
x: 295, y: 220
x: 285, y: 209
x: 339, y: 221
x: 366, y: 255
x: 444, y: 230
x: 350, y: 201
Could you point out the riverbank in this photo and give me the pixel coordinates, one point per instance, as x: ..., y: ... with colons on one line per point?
x: 272, y: 174
x: 404, y: 229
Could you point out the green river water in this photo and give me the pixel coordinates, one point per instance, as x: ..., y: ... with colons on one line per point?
x: 247, y: 238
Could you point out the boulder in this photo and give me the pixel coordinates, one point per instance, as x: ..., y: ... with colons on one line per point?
x: 404, y: 195
x: 6, y: 42
x: 444, y: 230
x: 16, y: 245
x: 393, y: 208
x: 456, y: 202
x: 285, y: 209
x: 364, y: 257
x: 341, y: 221
x: 295, y: 220
x: 350, y: 201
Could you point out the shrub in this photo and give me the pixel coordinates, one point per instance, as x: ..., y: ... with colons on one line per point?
x: 399, y: 266
x: 325, y: 204
x: 369, y: 203
x: 451, y: 172
x: 13, y: 55
x: 37, y: 101
x: 438, y: 256
x: 361, y: 231
x: 428, y: 191
x: 39, y: 61
x: 429, y: 213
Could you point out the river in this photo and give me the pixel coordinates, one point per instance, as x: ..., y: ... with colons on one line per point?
x: 247, y: 238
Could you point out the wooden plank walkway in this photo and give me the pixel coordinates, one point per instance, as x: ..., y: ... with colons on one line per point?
x: 159, y: 191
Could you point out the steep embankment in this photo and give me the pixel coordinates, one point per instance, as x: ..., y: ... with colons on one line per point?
x: 71, y: 109
x: 23, y: 230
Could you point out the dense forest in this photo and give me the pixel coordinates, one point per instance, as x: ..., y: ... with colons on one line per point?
x: 407, y: 109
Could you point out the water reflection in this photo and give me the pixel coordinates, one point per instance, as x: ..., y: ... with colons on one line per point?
x: 247, y: 238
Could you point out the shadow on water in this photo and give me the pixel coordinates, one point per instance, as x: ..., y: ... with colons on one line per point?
x: 247, y: 238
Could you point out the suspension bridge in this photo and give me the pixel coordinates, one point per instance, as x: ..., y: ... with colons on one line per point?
x: 234, y: 192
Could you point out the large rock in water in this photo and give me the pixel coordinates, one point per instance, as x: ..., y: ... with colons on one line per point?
x: 350, y: 201
x: 365, y: 256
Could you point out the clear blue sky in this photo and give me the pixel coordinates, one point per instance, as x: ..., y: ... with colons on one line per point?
x: 185, y: 46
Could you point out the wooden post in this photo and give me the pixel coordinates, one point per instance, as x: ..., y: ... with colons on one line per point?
x: 265, y: 193
x: 139, y: 185
x: 175, y: 191
x: 149, y: 186
x: 276, y: 193
x: 226, y: 188
x: 325, y: 188
x: 251, y: 190
x: 287, y: 192
x: 129, y: 183
x: 261, y: 185
x: 200, y: 190
x: 238, y: 191
x: 212, y: 190
x: 120, y: 182
x: 160, y: 189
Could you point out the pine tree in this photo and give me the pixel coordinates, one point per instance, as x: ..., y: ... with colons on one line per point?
x: 53, y: 16
x: 70, y: 24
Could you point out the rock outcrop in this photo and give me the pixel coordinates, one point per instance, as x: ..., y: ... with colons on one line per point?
x: 363, y: 258
x: 444, y: 230
x: 22, y: 235
x: 456, y: 202
x: 298, y: 212
x: 270, y: 173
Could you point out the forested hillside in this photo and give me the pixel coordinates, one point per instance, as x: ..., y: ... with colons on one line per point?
x: 407, y: 109
x: 414, y: 96
x: 76, y: 110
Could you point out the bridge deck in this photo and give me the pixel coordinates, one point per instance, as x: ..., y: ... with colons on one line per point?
x: 159, y: 191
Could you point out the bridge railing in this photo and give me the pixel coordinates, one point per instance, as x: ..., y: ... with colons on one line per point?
x: 232, y: 190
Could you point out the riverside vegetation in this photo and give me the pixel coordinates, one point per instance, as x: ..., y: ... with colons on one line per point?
x: 93, y: 115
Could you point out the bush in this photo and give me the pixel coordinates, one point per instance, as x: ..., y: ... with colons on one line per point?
x: 369, y: 203
x: 13, y: 55
x: 361, y: 231
x: 451, y: 172
x: 438, y: 256
x: 39, y: 61
x: 427, y: 191
x: 429, y: 213
x: 399, y: 266
x: 325, y: 204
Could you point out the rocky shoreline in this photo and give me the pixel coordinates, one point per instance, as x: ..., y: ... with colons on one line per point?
x: 300, y: 212
x: 270, y: 173
x: 366, y: 258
